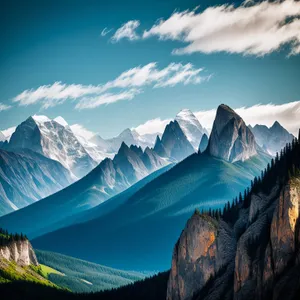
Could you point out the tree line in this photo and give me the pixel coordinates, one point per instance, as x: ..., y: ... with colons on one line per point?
x: 6, y: 237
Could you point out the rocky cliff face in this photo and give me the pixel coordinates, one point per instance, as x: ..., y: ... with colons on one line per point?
x: 203, y: 248
x: 20, y: 252
x: 263, y: 263
x: 230, y: 138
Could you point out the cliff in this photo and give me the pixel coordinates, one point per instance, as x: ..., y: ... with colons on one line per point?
x: 20, y: 252
x: 249, y: 251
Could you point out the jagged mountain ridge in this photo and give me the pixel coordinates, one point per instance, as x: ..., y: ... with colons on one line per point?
x: 53, y: 140
x: 271, y: 139
x: 251, y: 251
x: 173, y: 143
x: 109, y: 178
x: 26, y: 177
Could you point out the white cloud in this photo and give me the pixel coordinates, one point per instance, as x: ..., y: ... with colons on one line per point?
x: 9, y: 132
x: 125, y: 87
x: 106, y: 98
x: 4, y: 107
x: 81, y: 131
x: 288, y: 115
x: 105, y: 31
x: 251, y: 29
x: 127, y: 31
x: 57, y: 93
x: 152, y: 126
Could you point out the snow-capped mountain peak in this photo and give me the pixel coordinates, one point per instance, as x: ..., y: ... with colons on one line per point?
x: 191, y: 127
x: 60, y: 120
x: 40, y: 119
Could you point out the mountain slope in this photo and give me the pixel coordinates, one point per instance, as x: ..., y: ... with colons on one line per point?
x: 26, y: 177
x: 53, y: 140
x: 18, y: 261
x: 271, y: 139
x: 159, y: 209
x: 191, y: 127
x: 106, y: 180
x: 82, y: 276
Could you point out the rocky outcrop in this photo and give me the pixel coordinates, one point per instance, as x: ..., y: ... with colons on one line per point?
x: 205, y: 246
x: 20, y: 252
x: 265, y: 261
x: 230, y: 138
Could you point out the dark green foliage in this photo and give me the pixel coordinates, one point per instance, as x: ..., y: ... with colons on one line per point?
x: 6, y: 238
x: 151, y: 288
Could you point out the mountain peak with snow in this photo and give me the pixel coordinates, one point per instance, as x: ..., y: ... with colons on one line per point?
x: 191, y: 127
x: 60, y: 120
x: 40, y: 118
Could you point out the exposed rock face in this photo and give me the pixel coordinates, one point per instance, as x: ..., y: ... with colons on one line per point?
x: 269, y: 246
x: 203, y: 248
x: 204, y: 143
x: 230, y: 138
x: 173, y: 144
x: 264, y: 262
x: 20, y: 252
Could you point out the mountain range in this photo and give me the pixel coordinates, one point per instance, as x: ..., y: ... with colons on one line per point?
x: 128, y: 211
x: 57, y: 141
x: 161, y: 207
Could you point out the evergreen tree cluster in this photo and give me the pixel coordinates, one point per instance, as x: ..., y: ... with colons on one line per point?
x: 284, y: 166
x: 6, y: 238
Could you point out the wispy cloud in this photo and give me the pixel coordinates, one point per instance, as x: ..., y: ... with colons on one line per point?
x: 105, y: 31
x: 127, y: 31
x: 250, y: 29
x: 288, y: 115
x: 4, y: 107
x: 124, y: 87
x: 106, y: 98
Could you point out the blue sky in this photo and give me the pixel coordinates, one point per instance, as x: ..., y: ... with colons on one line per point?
x: 44, y: 42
